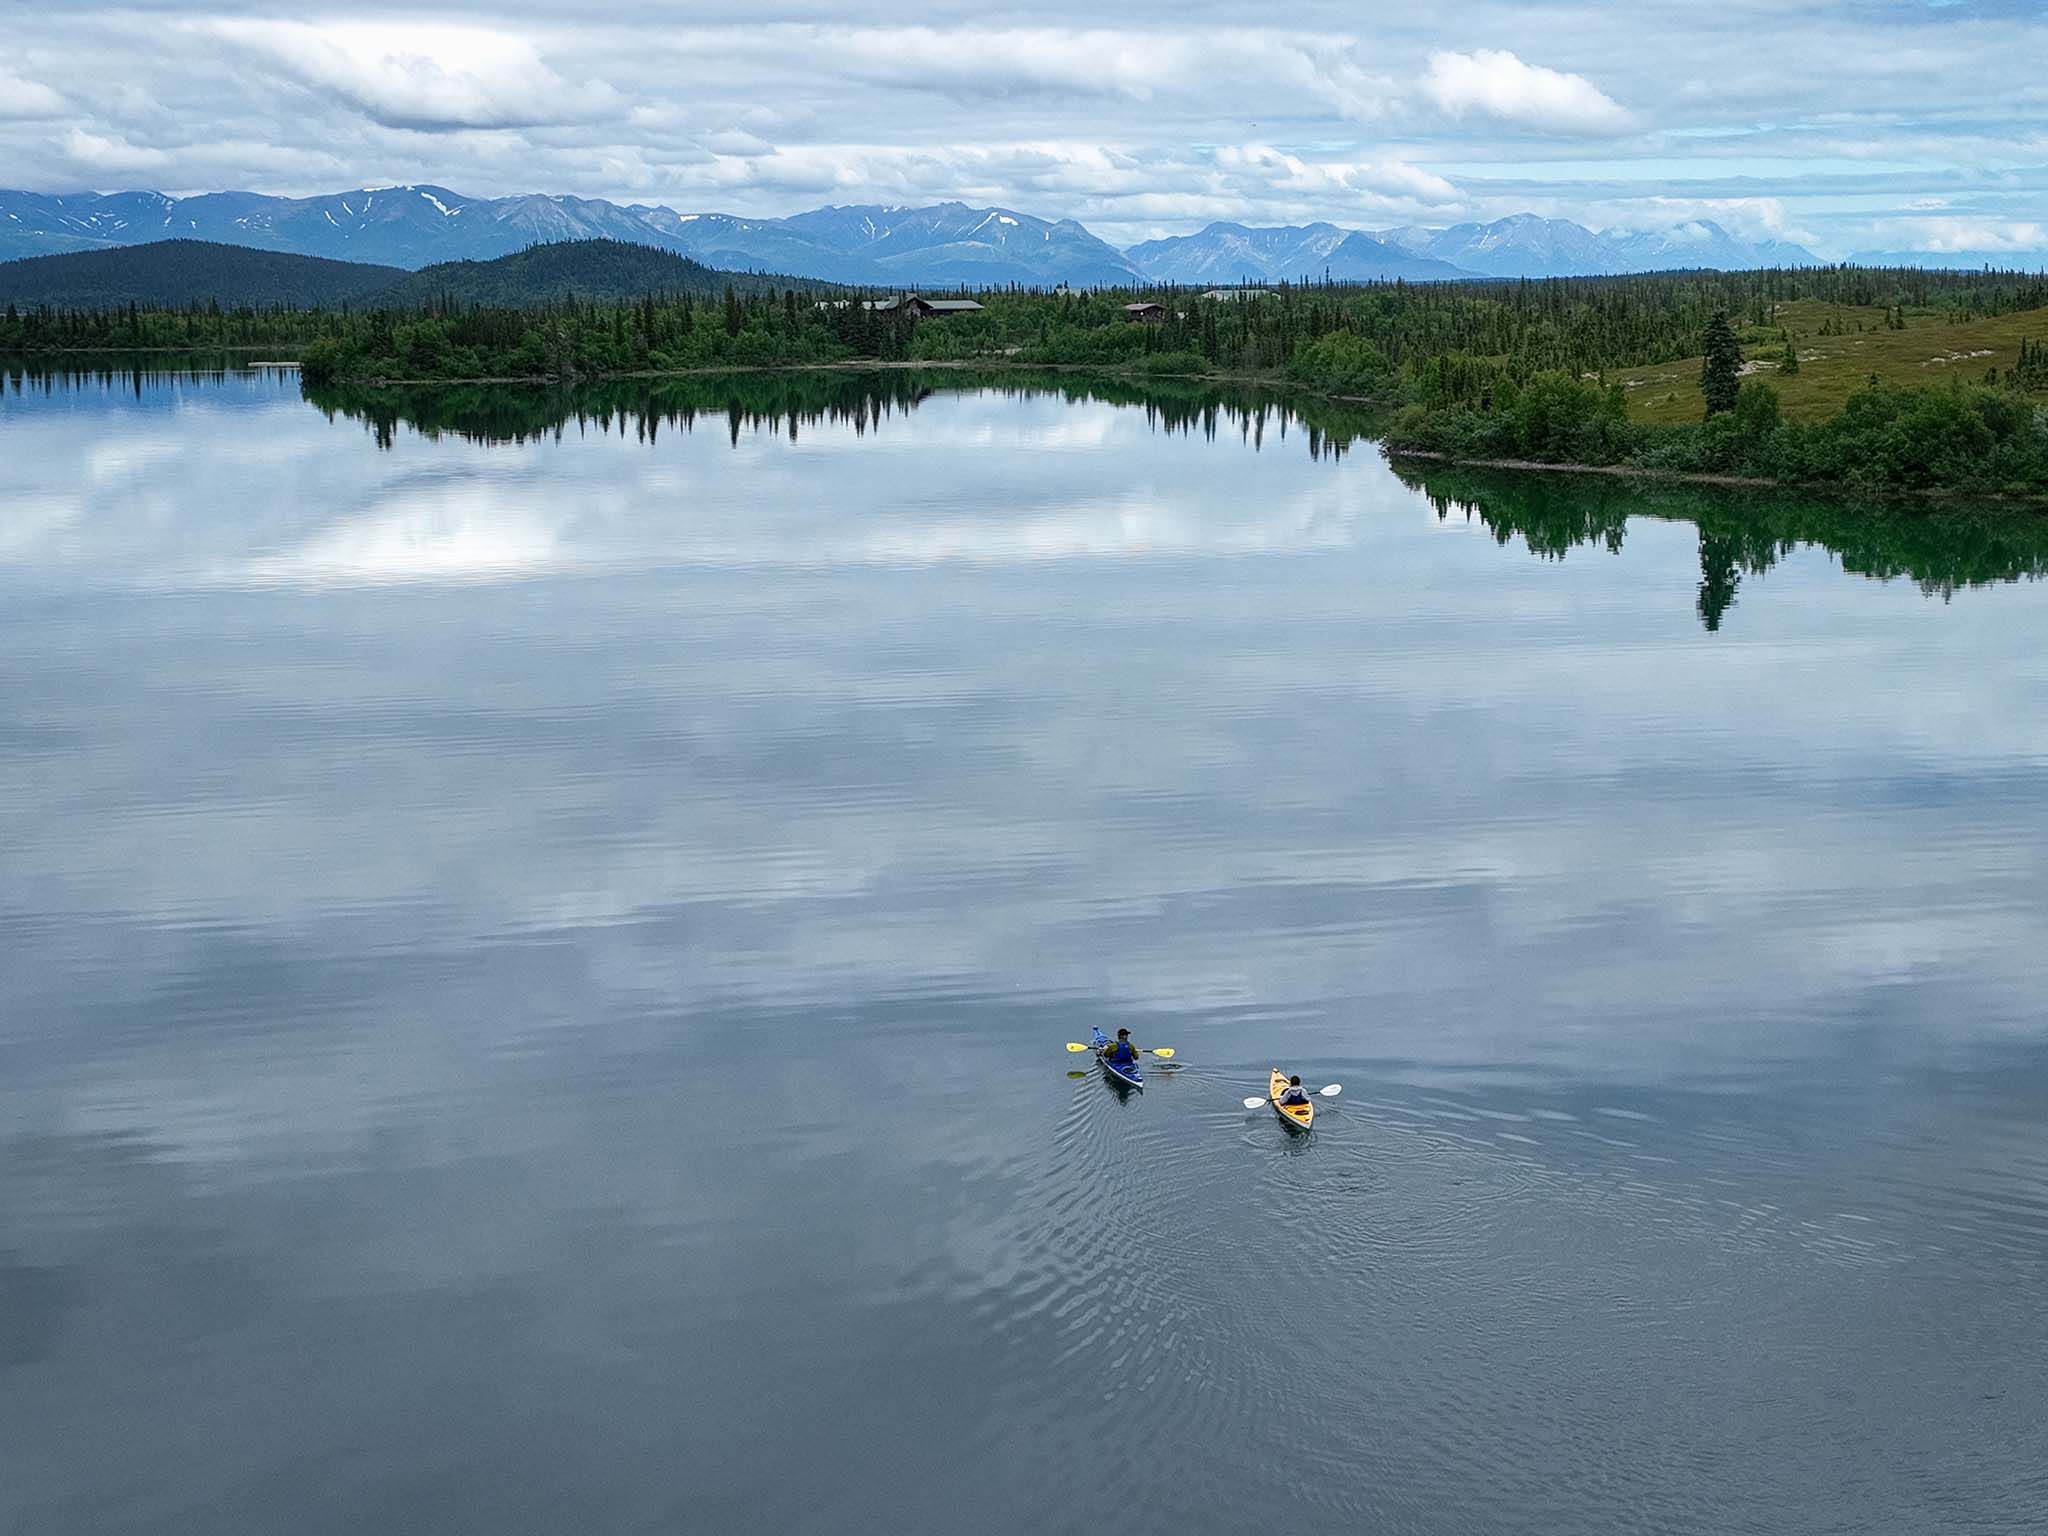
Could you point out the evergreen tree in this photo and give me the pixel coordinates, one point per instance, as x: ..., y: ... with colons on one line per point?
x: 1789, y: 363
x: 1721, y: 367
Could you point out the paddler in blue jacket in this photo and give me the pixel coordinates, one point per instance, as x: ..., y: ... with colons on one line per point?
x: 1294, y: 1093
x: 1122, y: 1053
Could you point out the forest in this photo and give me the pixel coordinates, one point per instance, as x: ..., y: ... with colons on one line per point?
x: 1493, y: 370
x: 179, y: 275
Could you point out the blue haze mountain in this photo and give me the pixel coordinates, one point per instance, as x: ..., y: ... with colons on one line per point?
x: 1964, y: 261
x: 1527, y: 245
x: 1229, y: 253
x: 943, y: 244
x: 415, y: 226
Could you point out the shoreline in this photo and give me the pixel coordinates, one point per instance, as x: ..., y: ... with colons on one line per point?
x: 2031, y: 500
x: 2034, y: 501
x: 996, y: 364
x: 1625, y: 471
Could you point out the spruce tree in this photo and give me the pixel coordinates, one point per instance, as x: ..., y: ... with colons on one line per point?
x: 1789, y: 363
x: 1721, y: 366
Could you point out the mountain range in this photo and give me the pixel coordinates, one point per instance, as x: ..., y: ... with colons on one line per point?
x: 1524, y: 245
x: 943, y: 245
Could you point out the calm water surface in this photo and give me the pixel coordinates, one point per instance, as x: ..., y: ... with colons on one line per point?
x: 535, y: 959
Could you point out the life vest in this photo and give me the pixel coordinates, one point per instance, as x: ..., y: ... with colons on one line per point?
x: 1123, y: 1053
x: 1294, y: 1093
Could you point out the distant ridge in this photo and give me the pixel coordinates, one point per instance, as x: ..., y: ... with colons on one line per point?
x: 1526, y: 245
x: 1226, y: 253
x: 416, y: 226
x: 1957, y: 261
x: 938, y: 245
x: 588, y: 269
x: 174, y: 273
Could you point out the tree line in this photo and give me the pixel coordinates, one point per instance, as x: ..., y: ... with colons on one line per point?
x: 1509, y: 369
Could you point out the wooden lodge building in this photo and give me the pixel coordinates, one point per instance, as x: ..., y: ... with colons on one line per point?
x: 916, y: 305
x: 922, y: 308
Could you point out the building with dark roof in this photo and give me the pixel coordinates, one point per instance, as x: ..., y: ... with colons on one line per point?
x: 922, y: 308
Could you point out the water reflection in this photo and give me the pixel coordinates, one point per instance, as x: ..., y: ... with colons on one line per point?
x: 406, y: 850
x: 468, y: 483
x: 861, y: 401
x: 1941, y: 547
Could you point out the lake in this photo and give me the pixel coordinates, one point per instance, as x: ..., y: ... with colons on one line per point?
x: 538, y: 936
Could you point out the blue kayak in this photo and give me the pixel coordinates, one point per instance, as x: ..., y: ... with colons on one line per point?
x: 1130, y: 1076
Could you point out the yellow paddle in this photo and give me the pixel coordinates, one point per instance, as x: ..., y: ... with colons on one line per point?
x: 1329, y: 1092
x: 1164, y: 1052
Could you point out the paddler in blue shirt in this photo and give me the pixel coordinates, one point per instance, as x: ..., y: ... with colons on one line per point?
x: 1122, y: 1053
x: 1294, y: 1093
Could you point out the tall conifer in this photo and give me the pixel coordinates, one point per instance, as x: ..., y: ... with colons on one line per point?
x: 1721, y: 366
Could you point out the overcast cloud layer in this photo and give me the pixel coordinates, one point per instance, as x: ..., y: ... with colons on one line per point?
x: 1842, y: 124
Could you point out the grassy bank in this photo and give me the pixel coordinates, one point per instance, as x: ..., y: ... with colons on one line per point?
x: 1840, y: 347
x: 1974, y: 438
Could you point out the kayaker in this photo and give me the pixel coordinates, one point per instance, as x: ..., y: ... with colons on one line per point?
x: 1122, y: 1053
x: 1293, y: 1093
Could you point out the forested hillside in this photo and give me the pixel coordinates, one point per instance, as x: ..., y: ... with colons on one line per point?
x: 175, y: 273
x: 609, y: 270
x: 172, y: 274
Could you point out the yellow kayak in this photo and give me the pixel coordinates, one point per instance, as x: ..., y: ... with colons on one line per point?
x: 1300, y: 1116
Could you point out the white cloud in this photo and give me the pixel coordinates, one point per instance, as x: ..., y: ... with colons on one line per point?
x: 1379, y: 182
x: 27, y: 99
x: 1146, y: 121
x: 1128, y: 64
x: 1495, y: 83
x: 1947, y: 236
x: 1205, y: 69
x: 737, y: 141
x: 410, y: 75
x: 97, y: 152
x: 1753, y: 218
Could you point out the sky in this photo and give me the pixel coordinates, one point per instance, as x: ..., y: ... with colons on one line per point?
x: 1844, y: 125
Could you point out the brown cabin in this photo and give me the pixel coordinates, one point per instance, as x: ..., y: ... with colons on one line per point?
x: 921, y: 308
x: 1152, y: 314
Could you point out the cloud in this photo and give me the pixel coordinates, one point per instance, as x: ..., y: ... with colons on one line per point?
x: 27, y: 100
x: 95, y: 152
x: 739, y: 142
x: 1495, y: 83
x: 1128, y: 64
x: 1145, y: 123
x: 1382, y: 181
x: 1948, y: 236
x: 425, y: 77
x: 1754, y: 218
x: 1205, y: 71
